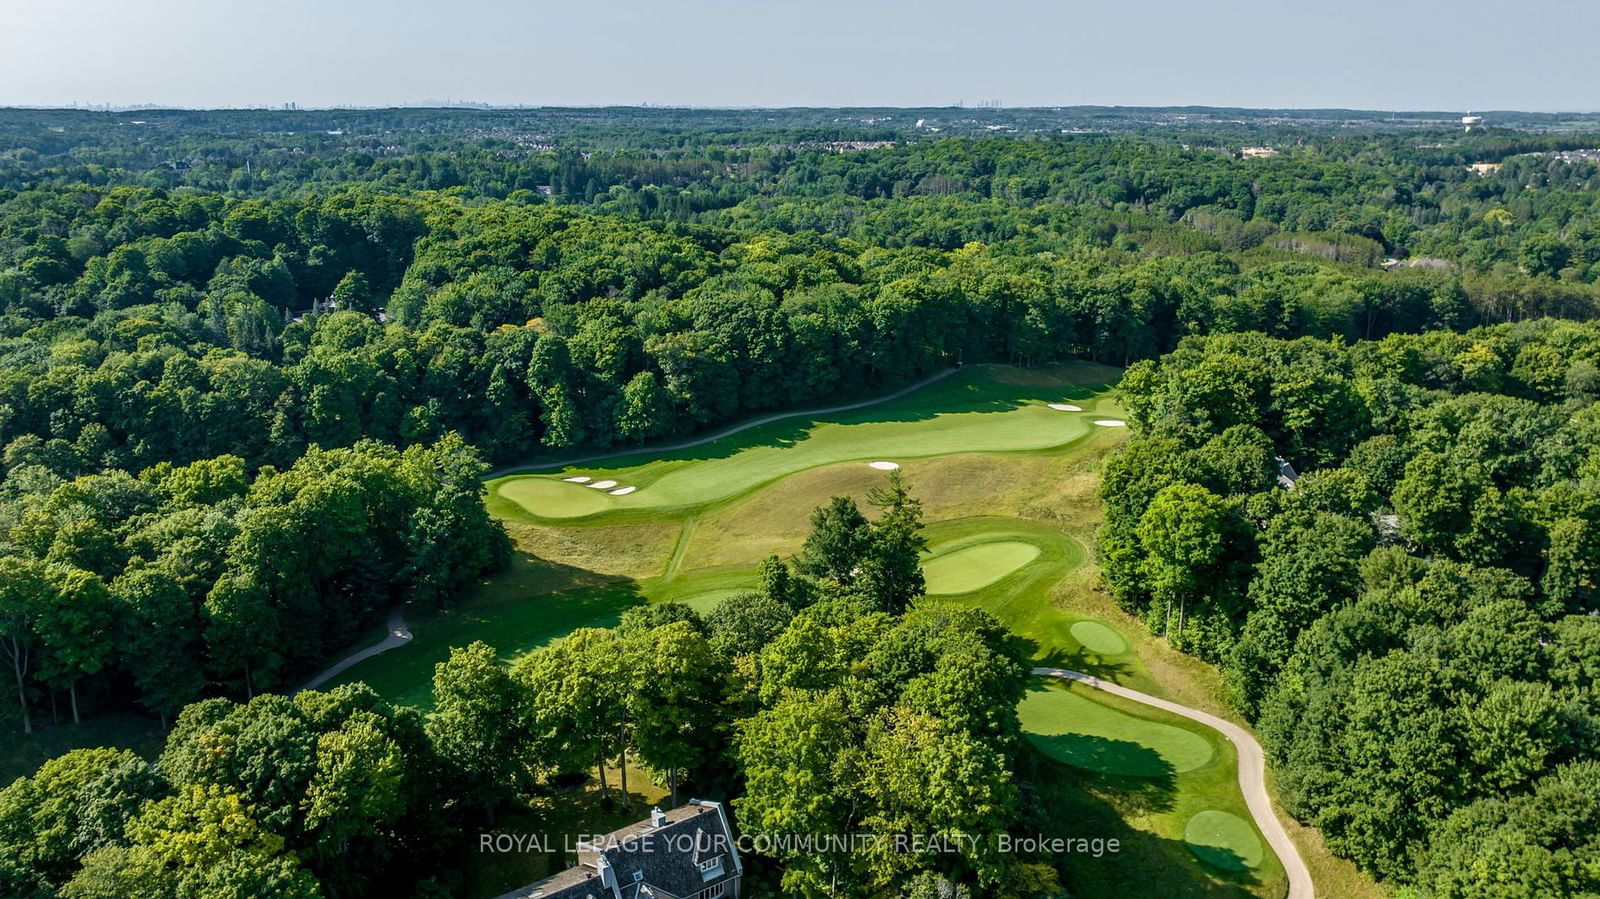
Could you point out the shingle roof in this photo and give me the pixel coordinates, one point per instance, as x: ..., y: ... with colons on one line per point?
x: 573, y: 883
x: 667, y: 858
x: 650, y: 861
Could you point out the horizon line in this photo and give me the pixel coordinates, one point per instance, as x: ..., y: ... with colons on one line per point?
x: 291, y: 106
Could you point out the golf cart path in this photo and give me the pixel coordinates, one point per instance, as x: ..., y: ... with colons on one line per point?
x: 398, y: 635
x: 725, y: 432
x: 1252, y: 772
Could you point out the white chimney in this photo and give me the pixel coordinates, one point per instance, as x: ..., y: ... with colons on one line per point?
x: 658, y: 818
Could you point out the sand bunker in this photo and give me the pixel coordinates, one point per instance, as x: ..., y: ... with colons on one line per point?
x: 602, y: 485
x: 580, y: 479
x: 1065, y: 407
x: 623, y: 491
x: 1110, y: 423
x: 885, y: 466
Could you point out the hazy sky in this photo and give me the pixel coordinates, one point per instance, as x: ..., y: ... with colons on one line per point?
x: 1386, y: 54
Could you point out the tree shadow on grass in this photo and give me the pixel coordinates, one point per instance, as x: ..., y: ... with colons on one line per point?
x: 531, y: 605
x: 1141, y: 777
x: 958, y: 393
x: 1062, y: 800
x: 1079, y: 659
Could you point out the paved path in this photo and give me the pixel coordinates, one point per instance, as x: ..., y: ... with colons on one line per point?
x: 725, y: 432
x: 399, y: 635
x: 1252, y: 772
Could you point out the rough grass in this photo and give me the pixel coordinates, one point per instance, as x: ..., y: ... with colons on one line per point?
x: 1147, y: 813
x: 706, y: 549
x: 972, y: 411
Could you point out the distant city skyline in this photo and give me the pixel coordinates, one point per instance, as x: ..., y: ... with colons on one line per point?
x: 1362, y: 54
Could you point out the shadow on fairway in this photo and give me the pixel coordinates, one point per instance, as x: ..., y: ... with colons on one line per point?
x: 1079, y: 659
x: 966, y: 391
x: 1076, y: 803
x: 1115, y: 757
x: 532, y: 604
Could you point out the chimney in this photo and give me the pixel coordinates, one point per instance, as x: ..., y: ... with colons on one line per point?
x: 658, y: 818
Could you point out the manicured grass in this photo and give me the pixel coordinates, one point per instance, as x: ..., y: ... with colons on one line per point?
x: 1147, y: 813
x: 554, y: 498
x: 975, y: 567
x: 1098, y: 638
x: 705, y: 602
x: 1222, y: 839
x: 1076, y: 729
x: 530, y: 606
x: 971, y: 411
x: 584, y: 572
x: 984, y: 501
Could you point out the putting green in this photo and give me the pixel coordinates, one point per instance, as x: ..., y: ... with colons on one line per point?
x: 975, y: 567
x: 550, y: 498
x: 1227, y: 841
x: 975, y: 410
x: 1099, y: 639
x: 1081, y: 732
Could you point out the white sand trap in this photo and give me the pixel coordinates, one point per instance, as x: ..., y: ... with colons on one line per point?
x: 602, y: 485
x: 885, y: 466
x: 1065, y: 407
x: 1110, y: 423
x: 580, y: 479
x: 623, y: 491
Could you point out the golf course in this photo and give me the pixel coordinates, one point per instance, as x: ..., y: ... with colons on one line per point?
x: 1004, y: 461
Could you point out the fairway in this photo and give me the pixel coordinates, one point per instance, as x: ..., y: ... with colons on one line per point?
x: 1080, y: 731
x: 705, y: 602
x: 975, y: 567
x: 1222, y: 839
x: 1007, y: 482
x: 700, y: 519
x: 971, y: 411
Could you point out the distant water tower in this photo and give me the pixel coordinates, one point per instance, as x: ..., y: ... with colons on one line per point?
x: 1470, y: 121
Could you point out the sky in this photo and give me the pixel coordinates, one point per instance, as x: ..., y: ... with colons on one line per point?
x: 1370, y: 54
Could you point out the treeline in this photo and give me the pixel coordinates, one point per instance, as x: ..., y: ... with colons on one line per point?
x: 833, y: 699
x: 332, y: 794
x: 1410, y: 623
x: 188, y: 579
x: 1407, y: 195
x: 160, y: 330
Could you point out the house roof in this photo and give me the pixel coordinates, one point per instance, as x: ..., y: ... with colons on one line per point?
x: 650, y: 860
x: 666, y: 859
x: 573, y: 883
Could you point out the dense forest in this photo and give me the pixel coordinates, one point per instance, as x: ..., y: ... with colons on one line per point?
x: 1412, y: 622
x: 254, y: 365
x: 845, y: 708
